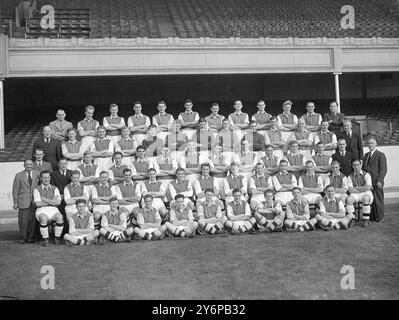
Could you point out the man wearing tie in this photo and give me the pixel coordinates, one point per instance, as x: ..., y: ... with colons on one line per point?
x: 22, y: 192
x: 353, y: 140
x: 61, y: 178
x: 39, y: 165
x: 51, y: 147
x: 344, y: 158
x: 375, y: 163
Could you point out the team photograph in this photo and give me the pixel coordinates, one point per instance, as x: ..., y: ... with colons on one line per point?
x: 174, y: 150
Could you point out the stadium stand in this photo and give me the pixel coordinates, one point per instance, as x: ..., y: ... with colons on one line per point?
x: 7, y: 12
x: 209, y: 18
x: 68, y: 23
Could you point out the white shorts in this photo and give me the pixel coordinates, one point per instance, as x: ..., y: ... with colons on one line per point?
x: 279, y: 153
x: 103, y: 163
x: 73, y: 165
x: 101, y: 208
x: 307, y: 154
x: 258, y: 198
x: 192, y: 177
x: 284, y: 197
x: 189, y: 133
x: 138, y: 138
x: 86, y: 142
x: 114, y: 139
x: 358, y: 196
x: 71, y: 209
x: 166, y: 182
x: 50, y: 212
x: 313, y: 198
x: 341, y: 196
x: 129, y: 207
x: 127, y: 161
x: 162, y: 135
x: 78, y: 237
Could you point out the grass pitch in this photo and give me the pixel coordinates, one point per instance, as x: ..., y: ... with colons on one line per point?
x: 261, y: 266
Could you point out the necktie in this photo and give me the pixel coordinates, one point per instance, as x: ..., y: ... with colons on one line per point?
x: 29, y: 179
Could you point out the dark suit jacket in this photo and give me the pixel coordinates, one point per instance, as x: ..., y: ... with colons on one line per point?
x: 60, y: 181
x: 22, y: 192
x: 345, y: 161
x: 376, y: 166
x: 52, y: 151
x: 45, y: 166
x: 354, y: 144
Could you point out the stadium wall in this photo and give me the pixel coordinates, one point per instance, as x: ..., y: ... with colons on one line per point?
x: 45, y: 57
x: 9, y: 169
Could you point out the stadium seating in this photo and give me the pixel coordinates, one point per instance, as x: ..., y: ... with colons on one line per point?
x: 216, y: 18
x: 68, y: 23
x: 7, y: 14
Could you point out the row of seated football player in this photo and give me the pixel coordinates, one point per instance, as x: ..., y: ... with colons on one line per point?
x: 116, y: 224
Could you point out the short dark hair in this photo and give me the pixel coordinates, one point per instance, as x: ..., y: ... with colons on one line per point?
x: 205, y: 164
x: 44, y: 172
x: 126, y: 170
x: 148, y: 195
x: 117, y: 153
x: 140, y: 147
x: 80, y: 201
x: 209, y: 190
x: 179, y: 196
x: 237, y: 190
x: 269, y: 191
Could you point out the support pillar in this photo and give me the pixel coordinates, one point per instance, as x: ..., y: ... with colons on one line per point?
x: 337, y: 94
x: 2, y: 129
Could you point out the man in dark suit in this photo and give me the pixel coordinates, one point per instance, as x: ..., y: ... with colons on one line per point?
x: 39, y: 164
x: 51, y: 147
x: 22, y: 193
x: 375, y: 163
x: 353, y: 140
x: 60, y: 178
x: 344, y: 158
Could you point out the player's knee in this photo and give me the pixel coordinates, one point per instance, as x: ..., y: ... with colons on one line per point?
x: 350, y: 200
x: 253, y: 205
x: 58, y: 217
x: 135, y: 212
x: 366, y: 199
x: 43, y: 219
x: 162, y: 212
x: 97, y: 216
x: 129, y: 231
